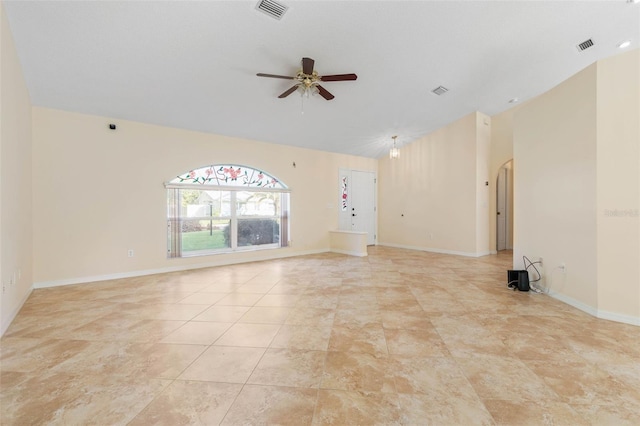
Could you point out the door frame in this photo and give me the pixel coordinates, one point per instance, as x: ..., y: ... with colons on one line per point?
x: 344, y: 204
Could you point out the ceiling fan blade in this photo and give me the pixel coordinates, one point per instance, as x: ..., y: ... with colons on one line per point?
x: 307, y: 66
x: 339, y: 77
x: 275, y: 76
x: 289, y: 91
x: 324, y: 93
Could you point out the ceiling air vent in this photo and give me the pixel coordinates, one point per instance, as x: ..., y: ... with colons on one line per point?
x: 440, y: 90
x: 585, y: 45
x: 272, y: 8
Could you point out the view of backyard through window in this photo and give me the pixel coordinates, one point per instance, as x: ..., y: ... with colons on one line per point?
x: 223, y: 217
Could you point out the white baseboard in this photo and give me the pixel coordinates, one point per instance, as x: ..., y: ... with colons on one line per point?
x: 611, y: 316
x: 6, y: 322
x: 350, y: 253
x: 436, y: 250
x: 575, y: 303
x: 177, y: 268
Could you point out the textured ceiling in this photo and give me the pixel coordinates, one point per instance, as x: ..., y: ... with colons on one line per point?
x: 192, y: 65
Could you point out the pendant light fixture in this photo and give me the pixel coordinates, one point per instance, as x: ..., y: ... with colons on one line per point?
x: 394, y: 152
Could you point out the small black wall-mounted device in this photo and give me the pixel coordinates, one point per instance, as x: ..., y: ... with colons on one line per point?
x: 112, y: 126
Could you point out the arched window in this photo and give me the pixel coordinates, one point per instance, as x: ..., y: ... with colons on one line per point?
x: 226, y: 208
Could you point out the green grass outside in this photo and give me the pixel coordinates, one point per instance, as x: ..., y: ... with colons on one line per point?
x: 202, y: 240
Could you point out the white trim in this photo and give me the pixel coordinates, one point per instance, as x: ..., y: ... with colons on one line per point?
x: 6, y: 322
x: 575, y: 303
x: 494, y: 251
x: 435, y: 250
x: 606, y: 315
x: 613, y: 316
x: 131, y: 274
x: 350, y: 253
x: 349, y: 232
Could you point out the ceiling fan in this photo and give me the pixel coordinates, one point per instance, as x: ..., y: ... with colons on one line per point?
x: 307, y: 80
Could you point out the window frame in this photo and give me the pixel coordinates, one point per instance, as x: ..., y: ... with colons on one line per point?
x: 175, y: 218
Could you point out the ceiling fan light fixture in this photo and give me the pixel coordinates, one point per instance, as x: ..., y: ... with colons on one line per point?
x: 394, y: 152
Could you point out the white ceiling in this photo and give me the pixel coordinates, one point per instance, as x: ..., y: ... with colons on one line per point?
x: 192, y: 65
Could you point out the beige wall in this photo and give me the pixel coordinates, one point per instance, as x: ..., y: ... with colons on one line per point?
x: 483, y: 188
x: 618, y: 171
x: 100, y: 192
x: 577, y: 179
x: 15, y: 180
x: 554, y: 147
x: 429, y: 197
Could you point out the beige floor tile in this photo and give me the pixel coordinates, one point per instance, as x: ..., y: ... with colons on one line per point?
x: 585, y: 383
x: 310, y: 316
x: 415, y: 319
x: 464, y: 336
x: 506, y: 378
x: 198, y: 333
x: 223, y: 313
x: 224, y: 364
x: 239, y: 299
x: 174, y: 311
x: 438, y: 378
x: 249, y: 335
x: 337, y: 407
x: 166, y: 361
x: 59, y: 398
x: 34, y: 355
x: 418, y: 409
x: 189, y: 403
x: 358, y: 371
x: 369, y: 339
x: 289, y: 300
x: 272, y: 405
x: 256, y: 286
x: 618, y: 415
x: 426, y: 342
x: 202, y: 298
x: 289, y: 367
x: 398, y: 337
x: 534, y: 413
x: 266, y: 315
x: 302, y: 337
x: 125, y: 329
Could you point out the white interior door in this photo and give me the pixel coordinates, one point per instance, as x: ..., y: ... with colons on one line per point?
x: 363, y: 204
x: 501, y: 210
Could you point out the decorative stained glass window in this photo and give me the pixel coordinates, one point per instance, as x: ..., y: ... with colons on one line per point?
x: 229, y: 175
x: 226, y: 208
x: 344, y: 194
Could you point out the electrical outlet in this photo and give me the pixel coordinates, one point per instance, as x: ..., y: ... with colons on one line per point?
x: 540, y: 260
x: 130, y: 253
x: 563, y: 268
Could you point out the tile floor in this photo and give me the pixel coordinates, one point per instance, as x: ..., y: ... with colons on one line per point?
x: 399, y: 337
